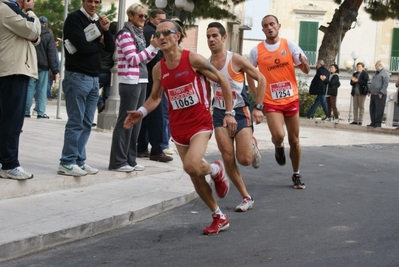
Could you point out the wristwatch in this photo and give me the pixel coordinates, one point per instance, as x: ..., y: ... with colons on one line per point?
x: 231, y: 113
x: 259, y: 107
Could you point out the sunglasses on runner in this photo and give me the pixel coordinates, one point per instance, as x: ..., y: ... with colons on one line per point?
x: 164, y: 33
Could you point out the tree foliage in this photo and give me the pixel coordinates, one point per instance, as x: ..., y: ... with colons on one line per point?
x: 54, y: 10
x: 216, y: 9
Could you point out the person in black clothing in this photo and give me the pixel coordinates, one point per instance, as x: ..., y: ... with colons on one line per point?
x: 332, y: 92
x: 318, y: 88
x: 152, y: 126
x: 359, y: 92
x: 104, y: 76
x: 46, y: 60
x: 85, y: 35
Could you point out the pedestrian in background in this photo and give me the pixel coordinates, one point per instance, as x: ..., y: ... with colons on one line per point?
x: 378, y: 94
x: 133, y: 55
x: 360, y: 89
x: 19, y: 33
x: 152, y: 126
x: 85, y: 35
x: 46, y: 60
x: 318, y: 87
x: 332, y: 92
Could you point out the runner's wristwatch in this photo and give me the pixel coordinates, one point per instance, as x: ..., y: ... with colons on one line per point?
x: 231, y: 113
x: 259, y: 107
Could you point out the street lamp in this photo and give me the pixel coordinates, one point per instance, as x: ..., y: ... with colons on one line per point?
x: 187, y: 6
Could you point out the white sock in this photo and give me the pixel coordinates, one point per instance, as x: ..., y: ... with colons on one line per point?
x: 219, y: 212
x: 215, y: 169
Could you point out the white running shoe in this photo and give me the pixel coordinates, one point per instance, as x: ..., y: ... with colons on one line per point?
x: 257, y: 156
x: 17, y: 173
x: 126, y: 168
x: 168, y: 151
x: 139, y: 167
x: 246, y: 204
x: 88, y: 169
x: 71, y: 170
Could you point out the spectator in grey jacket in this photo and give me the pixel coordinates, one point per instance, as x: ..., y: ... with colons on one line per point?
x: 378, y: 94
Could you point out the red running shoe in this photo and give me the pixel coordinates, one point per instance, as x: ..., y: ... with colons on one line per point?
x: 217, y: 225
x: 222, y: 183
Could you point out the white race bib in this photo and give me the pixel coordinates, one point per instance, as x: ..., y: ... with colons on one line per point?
x: 183, y: 96
x: 281, y: 90
x: 219, y: 99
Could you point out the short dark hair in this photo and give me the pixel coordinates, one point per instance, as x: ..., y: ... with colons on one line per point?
x: 221, y: 28
x: 360, y: 63
x: 155, y: 12
x: 271, y: 16
x: 336, y: 67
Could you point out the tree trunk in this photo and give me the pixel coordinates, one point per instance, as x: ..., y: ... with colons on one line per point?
x: 330, y: 45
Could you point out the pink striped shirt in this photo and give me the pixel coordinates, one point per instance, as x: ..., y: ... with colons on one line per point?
x: 128, y: 58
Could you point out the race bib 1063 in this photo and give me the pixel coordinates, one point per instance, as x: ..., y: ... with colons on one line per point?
x: 281, y: 90
x: 183, y: 96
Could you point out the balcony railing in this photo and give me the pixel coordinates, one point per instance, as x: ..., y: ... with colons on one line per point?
x: 311, y: 55
x: 394, y: 64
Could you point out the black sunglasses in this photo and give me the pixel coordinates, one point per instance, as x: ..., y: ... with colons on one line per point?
x: 164, y: 33
x: 142, y: 16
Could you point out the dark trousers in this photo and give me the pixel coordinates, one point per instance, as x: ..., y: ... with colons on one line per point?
x: 377, y: 107
x: 13, y: 92
x: 151, y: 130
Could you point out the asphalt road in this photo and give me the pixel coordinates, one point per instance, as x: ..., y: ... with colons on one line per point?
x: 347, y: 216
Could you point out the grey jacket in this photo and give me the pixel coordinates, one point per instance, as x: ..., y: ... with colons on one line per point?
x: 379, y: 82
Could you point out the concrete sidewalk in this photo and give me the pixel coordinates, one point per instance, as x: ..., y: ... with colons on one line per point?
x: 51, y: 209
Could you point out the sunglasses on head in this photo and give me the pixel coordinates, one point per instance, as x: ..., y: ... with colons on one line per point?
x: 142, y: 16
x: 164, y: 33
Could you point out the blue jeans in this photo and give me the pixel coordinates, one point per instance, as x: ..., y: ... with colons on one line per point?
x: 81, y: 96
x: 166, y: 128
x: 37, y: 88
x: 320, y: 100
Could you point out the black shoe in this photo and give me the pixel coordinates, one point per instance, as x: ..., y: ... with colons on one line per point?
x: 143, y: 154
x: 280, y: 155
x: 93, y: 124
x: 376, y: 126
x: 355, y: 123
x: 370, y: 125
x: 161, y: 158
x: 27, y: 116
x: 100, y: 107
x: 359, y: 124
x: 44, y: 116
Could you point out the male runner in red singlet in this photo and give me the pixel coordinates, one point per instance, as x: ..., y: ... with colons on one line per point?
x: 275, y: 57
x: 234, y: 67
x: 182, y: 74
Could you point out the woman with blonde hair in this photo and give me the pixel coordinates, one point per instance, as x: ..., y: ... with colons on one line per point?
x: 132, y: 58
